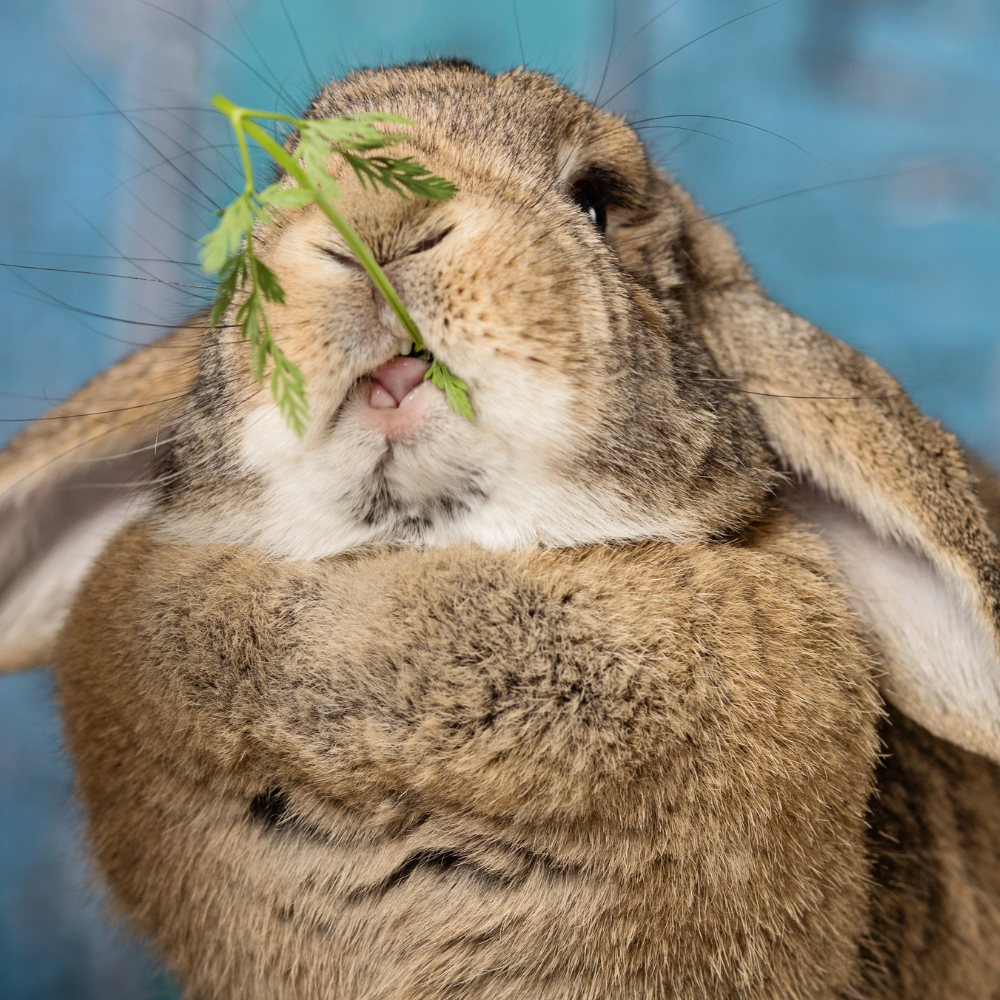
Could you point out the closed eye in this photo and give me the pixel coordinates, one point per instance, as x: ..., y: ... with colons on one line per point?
x: 341, y: 258
x: 428, y: 244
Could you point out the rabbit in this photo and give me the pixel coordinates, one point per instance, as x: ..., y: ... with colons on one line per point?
x: 672, y: 674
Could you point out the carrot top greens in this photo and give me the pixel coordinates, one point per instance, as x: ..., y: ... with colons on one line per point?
x: 228, y: 249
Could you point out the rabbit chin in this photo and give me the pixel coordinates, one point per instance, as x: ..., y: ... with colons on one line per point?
x: 445, y: 481
x: 396, y: 421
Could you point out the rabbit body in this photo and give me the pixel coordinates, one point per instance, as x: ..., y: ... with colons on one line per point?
x: 611, y: 772
x: 623, y: 771
x: 581, y: 699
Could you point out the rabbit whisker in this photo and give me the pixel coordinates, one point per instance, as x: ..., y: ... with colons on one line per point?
x: 681, y: 48
x: 215, y: 41
x: 106, y: 274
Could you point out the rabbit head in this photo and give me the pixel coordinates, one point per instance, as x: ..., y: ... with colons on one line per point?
x: 629, y: 379
x: 599, y: 411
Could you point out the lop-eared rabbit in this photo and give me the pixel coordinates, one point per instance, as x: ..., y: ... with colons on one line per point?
x: 579, y: 700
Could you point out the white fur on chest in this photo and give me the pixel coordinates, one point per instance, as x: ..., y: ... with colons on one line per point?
x: 451, y: 485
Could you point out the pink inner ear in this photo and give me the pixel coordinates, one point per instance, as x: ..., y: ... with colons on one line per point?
x: 392, y: 381
x: 941, y: 664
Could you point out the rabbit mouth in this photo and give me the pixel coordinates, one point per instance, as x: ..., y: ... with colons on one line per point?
x: 394, y: 398
x: 394, y: 384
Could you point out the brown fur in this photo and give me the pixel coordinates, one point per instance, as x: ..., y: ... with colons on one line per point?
x: 935, y: 844
x: 622, y: 772
x: 934, y: 839
x: 643, y: 762
x: 522, y: 292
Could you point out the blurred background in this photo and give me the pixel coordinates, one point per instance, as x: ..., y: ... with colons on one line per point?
x: 853, y: 146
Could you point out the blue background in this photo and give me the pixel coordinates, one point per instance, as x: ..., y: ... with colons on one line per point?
x: 830, y: 92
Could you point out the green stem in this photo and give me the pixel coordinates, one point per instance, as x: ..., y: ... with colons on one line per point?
x: 288, y: 389
x: 234, y: 111
x: 351, y: 238
x: 235, y: 115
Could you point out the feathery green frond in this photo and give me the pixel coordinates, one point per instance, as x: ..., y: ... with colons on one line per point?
x: 228, y: 249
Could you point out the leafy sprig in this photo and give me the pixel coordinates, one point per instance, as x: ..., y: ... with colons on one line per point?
x: 228, y: 249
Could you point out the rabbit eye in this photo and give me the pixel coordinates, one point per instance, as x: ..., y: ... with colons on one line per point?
x: 592, y: 204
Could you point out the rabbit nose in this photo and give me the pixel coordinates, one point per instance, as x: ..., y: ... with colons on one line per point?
x: 394, y: 380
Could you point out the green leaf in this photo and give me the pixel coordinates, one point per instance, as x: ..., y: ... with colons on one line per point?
x: 285, y: 197
x: 223, y: 241
x: 377, y: 116
x: 288, y: 386
x: 375, y: 140
x: 314, y: 153
x: 267, y: 281
x: 400, y: 174
x: 329, y: 130
x: 418, y: 179
x: 355, y: 131
x: 228, y: 249
x: 353, y: 136
x: 232, y: 276
x: 363, y: 170
x: 456, y: 392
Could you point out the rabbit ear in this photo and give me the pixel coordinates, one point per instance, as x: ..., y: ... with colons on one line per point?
x: 892, y: 493
x: 71, y: 479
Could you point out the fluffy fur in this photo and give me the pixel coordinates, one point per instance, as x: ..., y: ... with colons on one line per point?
x: 623, y: 772
x: 600, y: 412
x: 579, y: 700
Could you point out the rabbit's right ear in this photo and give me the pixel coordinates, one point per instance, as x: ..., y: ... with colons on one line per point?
x: 71, y: 479
x: 891, y: 491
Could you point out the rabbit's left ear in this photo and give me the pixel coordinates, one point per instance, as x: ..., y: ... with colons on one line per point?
x: 891, y: 491
x: 73, y: 478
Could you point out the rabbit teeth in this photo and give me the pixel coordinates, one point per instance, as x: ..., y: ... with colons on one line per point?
x: 393, y: 402
x: 395, y: 383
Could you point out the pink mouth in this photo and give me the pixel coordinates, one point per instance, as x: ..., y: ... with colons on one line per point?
x: 395, y: 398
x: 395, y: 381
